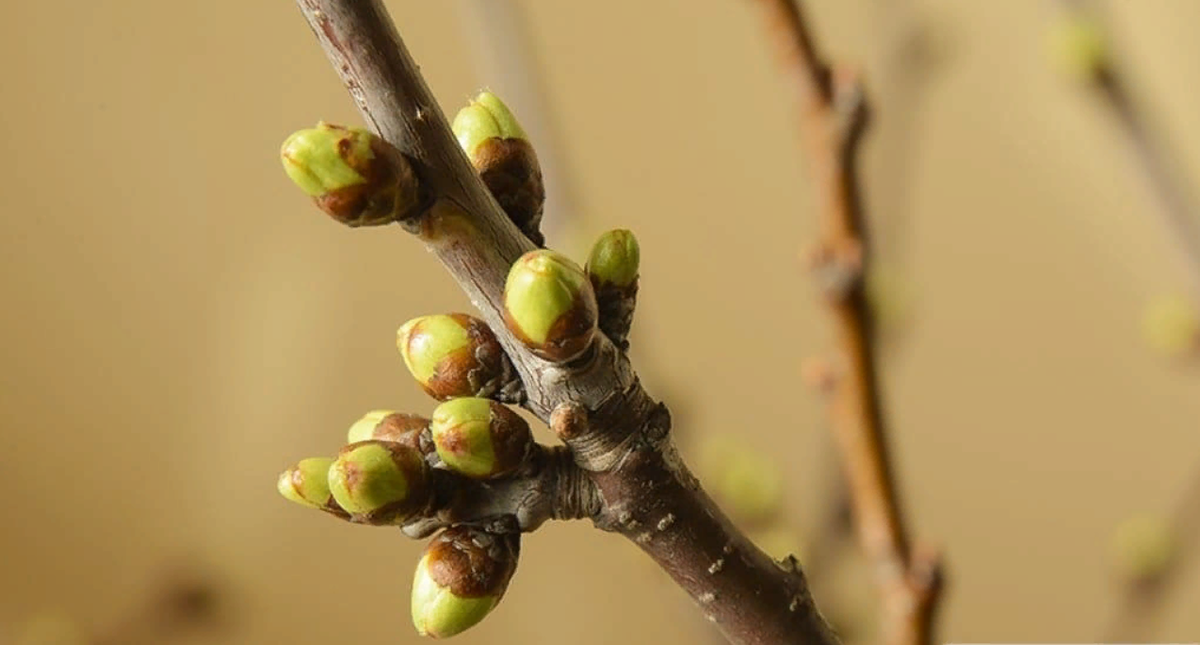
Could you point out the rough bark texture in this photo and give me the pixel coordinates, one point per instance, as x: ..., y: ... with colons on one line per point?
x: 623, y: 444
x: 832, y: 113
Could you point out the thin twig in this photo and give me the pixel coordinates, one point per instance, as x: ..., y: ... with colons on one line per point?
x: 832, y: 116
x: 616, y: 432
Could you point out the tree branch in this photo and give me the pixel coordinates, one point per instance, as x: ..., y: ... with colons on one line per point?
x: 617, y: 434
x: 832, y: 117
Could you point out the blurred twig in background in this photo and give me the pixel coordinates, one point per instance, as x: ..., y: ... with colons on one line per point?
x: 832, y: 117
x: 1151, y: 552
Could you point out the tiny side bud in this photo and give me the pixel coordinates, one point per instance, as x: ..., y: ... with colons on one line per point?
x: 614, y: 259
x: 454, y: 355
x: 379, y: 482
x: 550, y: 306
x: 460, y: 579
x: 480, y: 438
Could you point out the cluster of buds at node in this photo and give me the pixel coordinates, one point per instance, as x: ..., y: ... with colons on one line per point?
x: 460, y: 579
x: 353, y: 175
x: 549, y: 305
x: 454, y: 355
x: 505, y: 160
x: 612, y: 268
x: 404, y: 469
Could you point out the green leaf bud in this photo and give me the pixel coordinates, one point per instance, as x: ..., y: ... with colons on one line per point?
x: 306, y: 483
x: 453, y: 355
x: 351, y: 174
x: 1143, y: 547
x: 614, y: 260
x: 550, y: 306
x: 460, y: 579
x: 505, y: 159
x: 480, y: 438
x: 379, y: 482
x: 386, y: 425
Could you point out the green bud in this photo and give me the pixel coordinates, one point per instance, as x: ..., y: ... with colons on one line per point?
x: 453, y: 355
x: 461, y: 577
x: 1143, y: 547
x: 550, y: 306
x: 386, y: 425
x: 307, y: 482
x: 505, y: 159
x: 379, y: 482
x: 614, y: 260
x: 1079, y: 47
x: 351, y: 174
x: 1171, y: 325
x: 480, y: 438
x: 486, y: 117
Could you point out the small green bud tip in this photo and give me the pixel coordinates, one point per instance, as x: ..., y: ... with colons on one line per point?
x: 550, y: 305
x: 479, y: 438
x: 326, y: 158
x: 307, y: 483
x: 486, y: 117
x: 366, y: 478
x: 459, y: 580
x: 1171, y: 325
x: 614, y: 259
x: 364, y: 428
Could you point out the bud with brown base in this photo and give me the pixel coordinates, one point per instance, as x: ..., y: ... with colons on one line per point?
x: 453, y: 355
x: 380, y: 482
x: 460, y: 579
x: 549, y: 305
x: 480, y: 438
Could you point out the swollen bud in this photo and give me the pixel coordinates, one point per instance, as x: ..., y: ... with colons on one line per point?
x: 480, y: 438
x: 1079, y: 47
x: 550, y: 306
x: 379, y: 482
x: 502, y: 154
x: 351, y: 174
x: 460, y: 579
x: 612, y: 268
x: 453, y: 355
x: 1171, y: 325
x: 386, y: 425
x: 614, y: 259
x: 307, y: 483
x: 1143, y: 548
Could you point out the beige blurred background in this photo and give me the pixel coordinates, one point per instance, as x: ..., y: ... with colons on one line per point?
x: 180, y: 324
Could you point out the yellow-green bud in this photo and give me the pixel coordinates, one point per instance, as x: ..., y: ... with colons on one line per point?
x: 550, y: 306
x: 1078, y: 46
x: 749, y: 482
x: 453, y: 355
x: 1172, y: 325
x: 1143, y: 547
x: 480, y: 438
x: 486, y: 117
x: 386, y: 425
x: 379, y: 482
x: 460, y: 579
x: 307, y: 482
x: 505, y: 159
x: 351, y: 174
x: 614, y: 259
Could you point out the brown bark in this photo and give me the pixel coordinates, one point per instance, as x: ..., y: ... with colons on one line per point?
x: 621, y: 438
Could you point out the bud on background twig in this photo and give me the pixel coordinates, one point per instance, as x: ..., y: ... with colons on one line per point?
x: 379, y: 482
x: 505, y: 160
x: 550, y: 306
x: 461, y: 577
x: 453, y: 355
x: 351, y: 174
x: 612, y: 268
x: 480, y: 438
